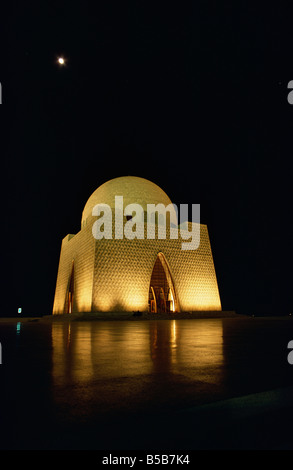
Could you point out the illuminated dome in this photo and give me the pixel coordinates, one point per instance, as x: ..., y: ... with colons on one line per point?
x: 133, y: 189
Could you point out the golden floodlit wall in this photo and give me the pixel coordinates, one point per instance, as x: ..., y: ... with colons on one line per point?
x: 79, y: 250
x: 123, y: 270
x: 114, y: 274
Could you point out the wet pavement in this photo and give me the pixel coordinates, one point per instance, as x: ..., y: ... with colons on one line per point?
x: 211, y: 383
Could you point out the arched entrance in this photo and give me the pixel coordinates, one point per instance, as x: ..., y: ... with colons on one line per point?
x: 162, y: 297
x: 70, y: 293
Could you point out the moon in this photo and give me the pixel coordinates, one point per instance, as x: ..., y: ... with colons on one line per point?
x: 61, y: 61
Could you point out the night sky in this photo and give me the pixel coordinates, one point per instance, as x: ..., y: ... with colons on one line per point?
x: 192, y: 96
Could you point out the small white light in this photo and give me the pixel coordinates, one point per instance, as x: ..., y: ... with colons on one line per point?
x: 61, y: 61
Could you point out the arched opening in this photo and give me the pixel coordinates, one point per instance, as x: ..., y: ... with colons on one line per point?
x: 70, y: 293
x: 162, y: 296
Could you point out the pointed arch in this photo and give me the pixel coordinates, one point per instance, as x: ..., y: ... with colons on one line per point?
x: 152, y: 300
x: 70, y: 291
x: 162, y: 293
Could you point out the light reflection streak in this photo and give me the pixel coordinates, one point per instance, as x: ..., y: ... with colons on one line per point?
x: 163, y: 345
x: 105, y: 362
x: 18, y: 327
x: 194, y: 348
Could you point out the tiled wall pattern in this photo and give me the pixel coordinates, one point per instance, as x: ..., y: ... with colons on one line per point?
x: 80, y: 249
x: 114, y: 275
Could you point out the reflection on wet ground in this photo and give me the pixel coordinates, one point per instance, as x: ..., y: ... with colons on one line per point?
x: 131, y: 365
x: 82, y: 383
